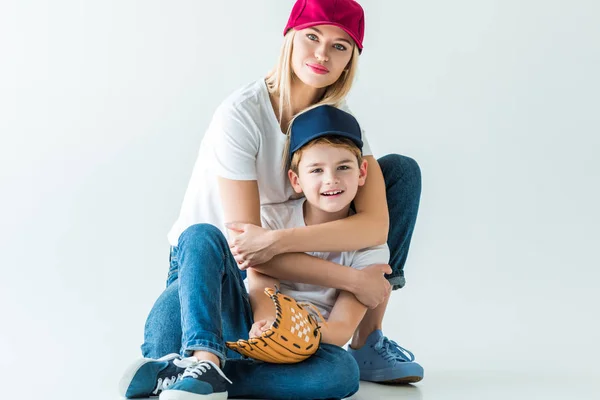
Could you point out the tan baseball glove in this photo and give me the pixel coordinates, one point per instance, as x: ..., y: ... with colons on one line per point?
x: 293, y: 337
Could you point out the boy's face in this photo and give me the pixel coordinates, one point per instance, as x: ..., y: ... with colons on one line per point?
x: 329, y: 177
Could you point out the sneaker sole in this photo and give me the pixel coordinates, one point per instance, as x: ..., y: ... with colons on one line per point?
x: 181, y: 395
x: 135, y: 367
x: 400, y: 381
x: 412, y: 373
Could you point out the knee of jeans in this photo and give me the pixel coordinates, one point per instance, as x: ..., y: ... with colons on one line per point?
x: 200, y: 234
x: 397, y: 166
x: 343, y: 377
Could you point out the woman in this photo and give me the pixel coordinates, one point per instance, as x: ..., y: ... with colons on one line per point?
x: 238, y: 169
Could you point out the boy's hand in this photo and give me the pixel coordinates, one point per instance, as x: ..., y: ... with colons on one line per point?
x: 372, y: 287
x: 253, y: 245
x: 260, y: 326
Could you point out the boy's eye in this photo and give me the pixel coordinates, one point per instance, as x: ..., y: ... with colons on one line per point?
x: 311, y: 36
x: 340, y: 47
x: 343, y: 167
x: 316, y: 170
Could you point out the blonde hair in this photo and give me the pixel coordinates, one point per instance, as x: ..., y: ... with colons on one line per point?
x: 279, y: 82
x: 330, y: 140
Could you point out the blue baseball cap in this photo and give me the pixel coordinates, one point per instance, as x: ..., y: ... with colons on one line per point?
x: 321, y: 121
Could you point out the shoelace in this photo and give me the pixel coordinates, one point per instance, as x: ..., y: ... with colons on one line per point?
x: 163, y: 384
x: 391, y: 350
x: 195, y: 368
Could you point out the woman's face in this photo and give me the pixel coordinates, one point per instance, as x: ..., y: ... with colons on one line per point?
x: 320, y: 54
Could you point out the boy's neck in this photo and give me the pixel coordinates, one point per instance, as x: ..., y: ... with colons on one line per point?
x: 314, y: 215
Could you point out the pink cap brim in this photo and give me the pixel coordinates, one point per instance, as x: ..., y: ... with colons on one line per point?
x: 310, y: 24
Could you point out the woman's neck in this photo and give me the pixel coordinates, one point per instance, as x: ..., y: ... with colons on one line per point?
x: 302, y: 96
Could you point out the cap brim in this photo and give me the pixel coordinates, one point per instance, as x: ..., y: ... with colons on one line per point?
x: 309, y: 139
x: 315, y: 23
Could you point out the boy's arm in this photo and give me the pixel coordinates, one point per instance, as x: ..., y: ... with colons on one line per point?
x: 345, y: 316
x: 370, y: 285
x: 262, y: 306
x: 348, y: 311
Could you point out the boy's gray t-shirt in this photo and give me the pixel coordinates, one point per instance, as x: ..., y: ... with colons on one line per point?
x: 290, y: 215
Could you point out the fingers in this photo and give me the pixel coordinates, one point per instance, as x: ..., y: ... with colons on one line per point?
x: 386, y: 269
x: 235, y: 226
x: 242, y: 262
x: 244, y: 266
x: 258, y: 328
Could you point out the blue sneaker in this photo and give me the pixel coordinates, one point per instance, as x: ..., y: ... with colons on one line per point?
x: 384, y: 361
x: 148, y: 377
x: 201, y: 380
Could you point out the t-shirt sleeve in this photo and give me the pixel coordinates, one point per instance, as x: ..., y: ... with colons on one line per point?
x: 234, y: 144
x: 371, y: 255
x: 366, y: 147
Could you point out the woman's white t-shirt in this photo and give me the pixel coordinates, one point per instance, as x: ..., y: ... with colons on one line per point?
x: 243, y: 142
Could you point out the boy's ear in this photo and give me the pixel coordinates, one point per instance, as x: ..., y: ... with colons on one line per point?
x: 362, y: 172
x: 295, y: 181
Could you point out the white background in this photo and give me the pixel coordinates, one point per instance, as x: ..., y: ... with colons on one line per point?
x: 103, y: 105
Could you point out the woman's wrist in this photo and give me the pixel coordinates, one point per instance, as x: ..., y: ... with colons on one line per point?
x: 280, y: 242
x: 351, y: 281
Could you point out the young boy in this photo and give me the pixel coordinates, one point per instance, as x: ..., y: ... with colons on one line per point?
x: 325, y: 165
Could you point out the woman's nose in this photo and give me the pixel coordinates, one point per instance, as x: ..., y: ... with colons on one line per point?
x: 321, y: 53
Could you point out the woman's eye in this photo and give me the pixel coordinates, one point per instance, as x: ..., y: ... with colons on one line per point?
x: 312, y: 36
x: 340, y: 47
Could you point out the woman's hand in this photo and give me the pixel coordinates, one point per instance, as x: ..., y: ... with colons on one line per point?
x: 259, y: 327
x: 372, y: 287
x: 252, y: 246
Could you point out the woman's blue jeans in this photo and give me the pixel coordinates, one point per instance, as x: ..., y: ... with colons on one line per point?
x: 205, y: 304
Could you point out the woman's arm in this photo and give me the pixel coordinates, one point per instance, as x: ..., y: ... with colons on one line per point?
x: 367, y: 228
x: 240, y: 201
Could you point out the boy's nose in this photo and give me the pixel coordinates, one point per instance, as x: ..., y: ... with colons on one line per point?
x: 331, y: 179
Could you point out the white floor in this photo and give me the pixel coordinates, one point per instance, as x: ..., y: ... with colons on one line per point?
x: 486, y: 386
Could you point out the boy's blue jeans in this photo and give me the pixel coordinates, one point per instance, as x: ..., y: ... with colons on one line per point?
x: 205, y: 304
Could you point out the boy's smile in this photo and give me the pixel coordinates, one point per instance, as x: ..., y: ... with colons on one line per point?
x: 329, y: 177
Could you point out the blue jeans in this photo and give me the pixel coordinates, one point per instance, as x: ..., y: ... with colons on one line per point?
x: 402, y: 177
x: 206, y: 304
x: 199, y: 312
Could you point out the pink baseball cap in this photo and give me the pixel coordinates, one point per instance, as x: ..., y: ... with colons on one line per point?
x: 346, y: 14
